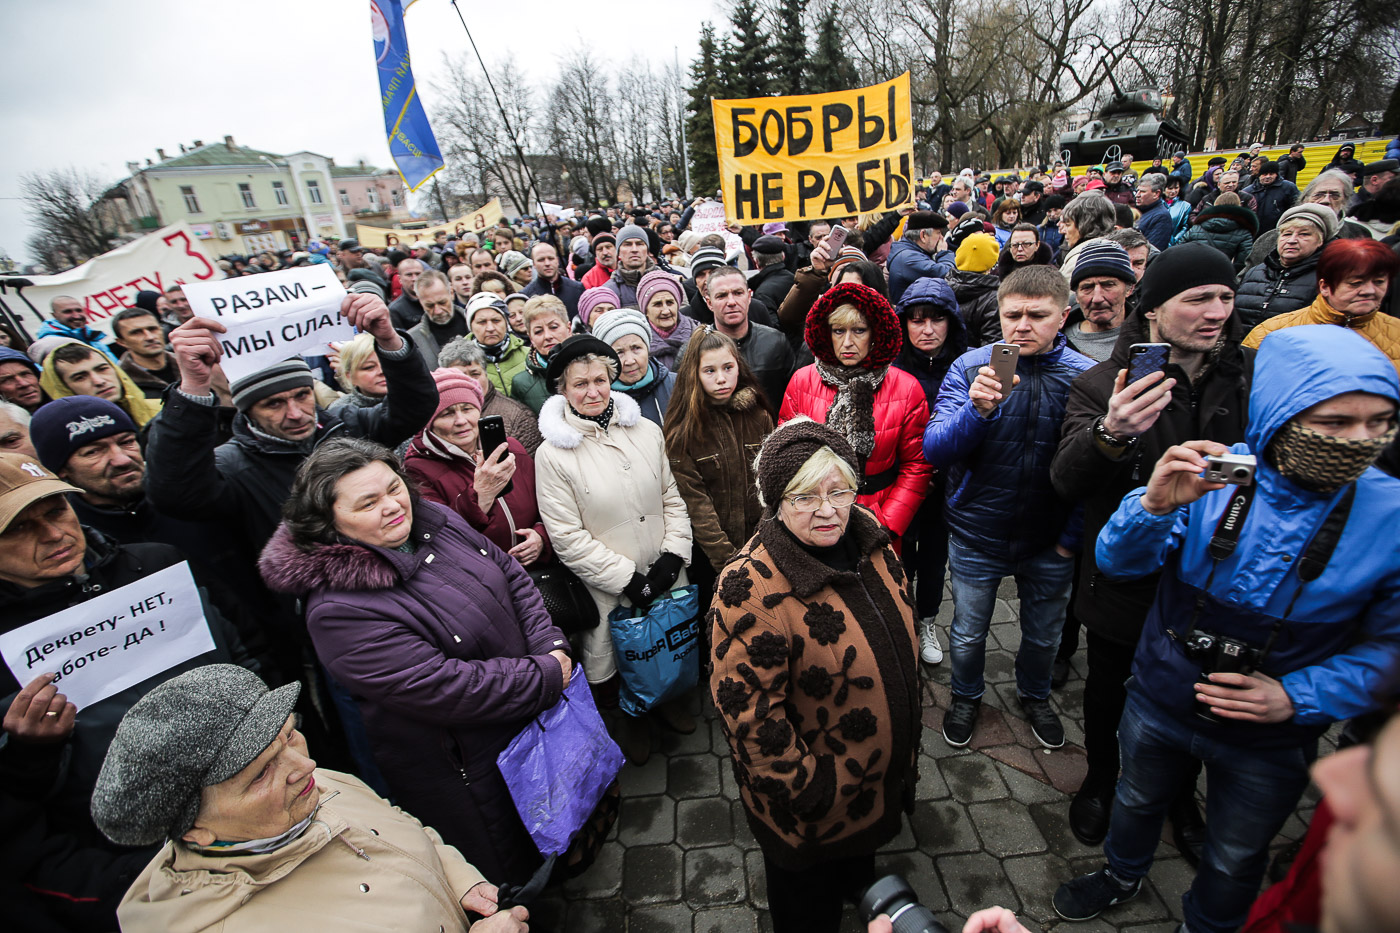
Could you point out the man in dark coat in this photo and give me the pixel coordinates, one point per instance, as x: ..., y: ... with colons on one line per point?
x: 1290, y: 165
x: 1272, y: 194
x: 1111, y: 439
x: 72, y: 876
x: 550, y: 279
x: 773, y: 281
x: 765, y: 349
x: 405, y: 310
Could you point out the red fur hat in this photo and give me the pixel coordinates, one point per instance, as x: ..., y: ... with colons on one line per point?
x: 886, y: 335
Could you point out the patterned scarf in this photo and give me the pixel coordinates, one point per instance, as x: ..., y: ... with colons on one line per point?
x: 1321, y: 462
x: 632, y: 278
x: 602, y: 419
x: 852, y: 412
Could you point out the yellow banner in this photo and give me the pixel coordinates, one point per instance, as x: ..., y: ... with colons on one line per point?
x: 816, y: 155
x: 483, y: 218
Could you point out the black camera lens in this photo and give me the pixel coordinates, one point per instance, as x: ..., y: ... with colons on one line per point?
x: 1240, y: 472
x: 893, y: 897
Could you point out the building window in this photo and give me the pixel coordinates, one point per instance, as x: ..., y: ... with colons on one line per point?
x: 313, y: 190
x: 191, y: 202
x: 344, y: 198
x: 398, y: 197
x: 280, y: 192
x: 245, y: 191
x: 373, y: 197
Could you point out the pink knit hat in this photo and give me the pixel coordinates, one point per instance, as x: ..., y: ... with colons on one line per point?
x: 453, y: 387
x: 655, y: 282
x: 591, y: 298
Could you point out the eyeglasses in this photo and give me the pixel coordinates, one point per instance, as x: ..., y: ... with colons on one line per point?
x: 1020, y: 246
x: 837, y: 499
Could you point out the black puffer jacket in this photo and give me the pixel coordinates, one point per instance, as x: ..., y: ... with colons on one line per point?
x: 1229, y: 229
x: 1270, y: 289
x: 51, y: 844
x: 977, y: 299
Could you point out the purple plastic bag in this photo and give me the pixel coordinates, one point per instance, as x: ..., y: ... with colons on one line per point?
x: 558, y: 767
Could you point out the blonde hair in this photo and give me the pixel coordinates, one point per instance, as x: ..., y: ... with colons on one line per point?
x: 811, y: 474
x: 588, y: 359
x: 540, y: 305
x: 352, y: 356
x: 847, y: 315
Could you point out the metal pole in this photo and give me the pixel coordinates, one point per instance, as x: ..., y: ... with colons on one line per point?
x: 519, y: 154
x: 680, y: 112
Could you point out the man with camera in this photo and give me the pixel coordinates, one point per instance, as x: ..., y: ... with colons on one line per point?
x: 1116, y: 427
x: 1277, y: 613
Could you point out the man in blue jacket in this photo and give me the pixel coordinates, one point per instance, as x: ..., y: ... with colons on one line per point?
x: 70, y: 320
x: 995, y: 444
x: 923, y: 253
x: 1155, y: 223
x: 1277, y: 614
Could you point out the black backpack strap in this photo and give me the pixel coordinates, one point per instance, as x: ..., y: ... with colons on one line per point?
x: 1320, y: 548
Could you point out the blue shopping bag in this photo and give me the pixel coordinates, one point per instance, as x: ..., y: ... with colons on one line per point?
x: 559, y: 766
x: 658, y: 654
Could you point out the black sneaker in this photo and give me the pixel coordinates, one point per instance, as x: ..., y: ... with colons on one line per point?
x: 1059, y: 673
x: 1087, y: 896
x: 1044, y: 723
x: 959, y: 720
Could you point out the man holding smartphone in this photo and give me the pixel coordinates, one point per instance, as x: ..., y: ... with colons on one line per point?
x: 995, y: 442
x: 1114, y: 431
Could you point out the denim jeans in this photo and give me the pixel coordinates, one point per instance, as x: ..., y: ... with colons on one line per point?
x: 1042, y: 584
x: 1250, y: 793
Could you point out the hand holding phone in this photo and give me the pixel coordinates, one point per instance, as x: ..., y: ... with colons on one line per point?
x: 835, y: 240
x: 994, y: 382
x: 491, y: 436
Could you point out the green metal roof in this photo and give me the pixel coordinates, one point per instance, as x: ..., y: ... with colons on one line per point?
x: 345, y: 171
x: 218, y: 154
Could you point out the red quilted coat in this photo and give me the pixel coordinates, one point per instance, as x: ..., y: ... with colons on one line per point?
x: 901, y: 413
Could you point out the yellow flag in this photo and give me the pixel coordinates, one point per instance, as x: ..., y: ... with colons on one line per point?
x: 816, y: 155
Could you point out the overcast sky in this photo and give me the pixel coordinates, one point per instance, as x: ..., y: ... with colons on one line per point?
x: 95, y: 84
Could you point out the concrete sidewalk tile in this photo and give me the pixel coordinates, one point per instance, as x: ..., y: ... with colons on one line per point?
x: 973, y: 778
x: 916, y: 868
x: 1065, y: 767
x: 1004, y: 829
x: 1035, y: 878
x: 1052, y: 819
x: 650, y: 778
x: 758, y: 879
x: 644, y: 821
x: 1000, y: 667
x: 715, y: 876
x: 1172, y: 878
x: 931, y: 784
x: 944, y: 826
x: 976, y: 881
x: 651, y: 874
x: 707, y: 821
x: 693, y: 776
x: 594, y: 916
x: 991, y: 729
x: 1164, y: 926
x: 672, y: 918
x: 726, y: 920
x: 1025, y: 788
x: 1019, y: 758
x: 677, y: 743
x: 903, y: 841
x: 602, y: 879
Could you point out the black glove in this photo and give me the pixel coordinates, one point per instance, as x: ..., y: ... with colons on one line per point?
x: 664, y: 572
x: 640, y: 591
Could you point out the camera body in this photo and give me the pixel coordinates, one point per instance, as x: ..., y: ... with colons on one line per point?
x: 1235, y: 469
x: 1219, y: 654
x: 893, y: 897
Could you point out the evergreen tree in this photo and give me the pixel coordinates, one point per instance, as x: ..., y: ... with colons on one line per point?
x: 706, y: 83
x: 830, y: 69
x: 748, y: 62
x: 790, y: 49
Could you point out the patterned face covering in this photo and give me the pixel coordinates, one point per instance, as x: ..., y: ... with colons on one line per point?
x: 1321, y: 462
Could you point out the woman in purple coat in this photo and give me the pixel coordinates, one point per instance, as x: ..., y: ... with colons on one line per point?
x: 439, y: 635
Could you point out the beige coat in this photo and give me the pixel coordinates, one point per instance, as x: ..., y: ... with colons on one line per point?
x: 611, y: 507
x: 362, y: 865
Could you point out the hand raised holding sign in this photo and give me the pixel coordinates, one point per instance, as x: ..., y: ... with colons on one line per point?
x: 197, y: 351
x: 371, y: 314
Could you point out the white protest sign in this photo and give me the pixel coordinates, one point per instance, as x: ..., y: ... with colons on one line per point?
x: 709, y: 218
x: 273, y: 316
x: 113, y: 641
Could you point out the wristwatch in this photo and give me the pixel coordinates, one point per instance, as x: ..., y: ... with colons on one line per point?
x: 1108, y: 440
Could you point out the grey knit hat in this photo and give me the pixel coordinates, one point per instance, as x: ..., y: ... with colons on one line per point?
x: 633, y: 232
x: 253, y: 388
x: 1319, y: 215
x: 615, y: 325
x: 195, y: 730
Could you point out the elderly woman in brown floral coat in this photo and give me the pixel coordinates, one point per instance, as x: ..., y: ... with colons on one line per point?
x: 815, y: 677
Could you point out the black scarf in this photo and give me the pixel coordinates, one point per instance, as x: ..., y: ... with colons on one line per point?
x: 602, y: 419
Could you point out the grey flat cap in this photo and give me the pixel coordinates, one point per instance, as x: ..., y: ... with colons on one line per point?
x: 194, y: 730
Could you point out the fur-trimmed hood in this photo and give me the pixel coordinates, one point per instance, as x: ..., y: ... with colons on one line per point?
x: 565, y: 430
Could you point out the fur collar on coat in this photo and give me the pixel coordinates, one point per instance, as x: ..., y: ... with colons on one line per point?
x: 564, y: 431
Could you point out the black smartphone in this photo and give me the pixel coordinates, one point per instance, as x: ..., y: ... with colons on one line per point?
x: 1145, y: 358
x: 492, y: 434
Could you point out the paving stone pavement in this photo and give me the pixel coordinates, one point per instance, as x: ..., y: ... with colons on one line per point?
x: 989, y: 826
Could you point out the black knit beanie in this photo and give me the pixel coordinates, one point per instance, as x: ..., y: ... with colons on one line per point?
x: 1180, y: 268
x: 788, y: 448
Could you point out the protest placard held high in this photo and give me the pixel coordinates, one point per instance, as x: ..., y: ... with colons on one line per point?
x: 816, y: 155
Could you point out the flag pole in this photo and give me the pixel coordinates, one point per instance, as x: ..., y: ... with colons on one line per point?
x: 519, y: 153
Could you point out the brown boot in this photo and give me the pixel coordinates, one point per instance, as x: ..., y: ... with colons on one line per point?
x: 635, y: 738
x: 675, y: 715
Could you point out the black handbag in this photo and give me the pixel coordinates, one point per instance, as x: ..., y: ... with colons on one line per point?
x: 566, y: 598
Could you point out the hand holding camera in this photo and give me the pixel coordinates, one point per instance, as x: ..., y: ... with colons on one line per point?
x: 1177, y: 478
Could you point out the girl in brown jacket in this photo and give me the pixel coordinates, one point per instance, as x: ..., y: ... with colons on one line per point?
x: 716, y: 420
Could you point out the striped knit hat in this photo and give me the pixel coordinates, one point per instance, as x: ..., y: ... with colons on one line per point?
x: 253, y: 388
x: 1102, y: 257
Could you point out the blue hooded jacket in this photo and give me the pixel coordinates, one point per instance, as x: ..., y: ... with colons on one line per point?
x: 1342, y: 635
x: 907, y: 263
x: 1000, y: 498
x: 90, y: 336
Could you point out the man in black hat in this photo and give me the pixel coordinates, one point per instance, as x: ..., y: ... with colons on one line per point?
x: 1272, y: 195
x: 773, y: 280
x: 1373, y: 178
x: 1032, y: 202
x: 923, y: 252
x: 363, y: 279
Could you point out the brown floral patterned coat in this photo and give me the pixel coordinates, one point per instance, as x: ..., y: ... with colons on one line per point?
x: 816, y: 679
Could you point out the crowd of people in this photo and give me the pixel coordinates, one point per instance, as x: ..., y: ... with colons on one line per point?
x: 818, y: 424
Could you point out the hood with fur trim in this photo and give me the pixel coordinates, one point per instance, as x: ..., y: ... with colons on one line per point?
x: 565, y: 430
x: 886, y: 334
x: 287, y: 568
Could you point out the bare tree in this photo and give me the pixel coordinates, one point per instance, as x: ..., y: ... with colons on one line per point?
x: 482, y: 156
x: 61, y: 205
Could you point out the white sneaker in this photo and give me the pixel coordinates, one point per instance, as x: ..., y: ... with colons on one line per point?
x: 930, y: 651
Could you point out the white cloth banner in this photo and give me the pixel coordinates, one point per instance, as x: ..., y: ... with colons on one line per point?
x: 113, y: 641
x: 108, y: 283
x: 273, y: 316
x: 709, y: 218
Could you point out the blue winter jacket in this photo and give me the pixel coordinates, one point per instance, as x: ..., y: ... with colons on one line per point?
x: 1156, y: 224
x: 88, y: 335
x: 1343, y: 634
x: 1000, y: 498
x: 907, y: 262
